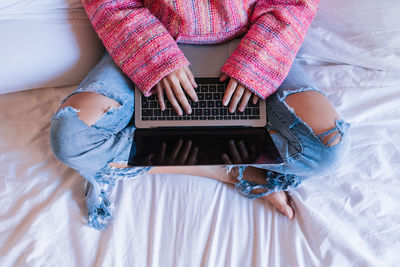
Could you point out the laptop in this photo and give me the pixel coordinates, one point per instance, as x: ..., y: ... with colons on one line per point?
x: 210, y: 135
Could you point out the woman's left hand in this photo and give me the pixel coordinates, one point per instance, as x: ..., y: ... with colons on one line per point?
x: 239, y: 92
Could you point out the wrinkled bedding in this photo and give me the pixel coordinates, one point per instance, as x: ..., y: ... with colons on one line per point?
x: 350, y: 217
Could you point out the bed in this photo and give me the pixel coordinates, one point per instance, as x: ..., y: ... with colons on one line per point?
x: 350, y: 217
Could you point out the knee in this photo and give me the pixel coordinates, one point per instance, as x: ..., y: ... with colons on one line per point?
x: 64, y: 134
x: 91, y: 106
x: 71, y: 131
x: 332, y: 143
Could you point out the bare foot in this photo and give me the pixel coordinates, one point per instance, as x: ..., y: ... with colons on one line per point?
x: 280, y: 200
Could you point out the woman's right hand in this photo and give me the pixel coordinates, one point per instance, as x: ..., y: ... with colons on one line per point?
x: 172, y: 85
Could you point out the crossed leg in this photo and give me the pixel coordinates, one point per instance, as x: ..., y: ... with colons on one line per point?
x: 311, y: 107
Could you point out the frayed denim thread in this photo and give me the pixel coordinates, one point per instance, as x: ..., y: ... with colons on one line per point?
x: 102, y: 213
x: 274, y: 182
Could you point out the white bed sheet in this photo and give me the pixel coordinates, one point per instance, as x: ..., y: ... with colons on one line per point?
x: 347, y: 218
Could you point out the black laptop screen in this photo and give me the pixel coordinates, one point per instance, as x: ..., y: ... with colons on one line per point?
x: 211, y: 146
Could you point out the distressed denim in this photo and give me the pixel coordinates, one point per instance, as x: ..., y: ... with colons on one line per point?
x: 90, y: 149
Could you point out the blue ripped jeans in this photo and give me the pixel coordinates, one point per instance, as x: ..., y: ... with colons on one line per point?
x: 90, y: 149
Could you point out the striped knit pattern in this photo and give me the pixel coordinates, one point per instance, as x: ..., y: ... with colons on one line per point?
x: 142, y: 36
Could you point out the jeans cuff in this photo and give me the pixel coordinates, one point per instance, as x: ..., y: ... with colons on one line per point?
x: 274, y: 182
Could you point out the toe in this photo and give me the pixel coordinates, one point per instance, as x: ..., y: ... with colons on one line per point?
x: 281, y: 202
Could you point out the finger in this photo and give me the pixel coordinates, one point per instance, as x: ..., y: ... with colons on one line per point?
x: 281, y: 202
x: 255, y: 99
x: 236, y: 98
x: 230, y: 89
x: 180, y: 95
x: 190, y: 76
x: 149, y: 159
x: 243, y: 151
x: 234, y: 152
x: 185, y: 152
x: 192, y: 156
x: 226, y: 159
x: 171, y: 97
x: 188, y: 87
x: 245, y: 100
x: 175, y: 152
x: 160, y: 96
x: 223, y: 77
x: 162, y: 152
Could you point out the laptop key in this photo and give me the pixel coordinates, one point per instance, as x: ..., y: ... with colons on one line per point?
x: 170, y: 118
x: 215, y: 111
x: 247, y: 111
x: 256, y: 111
x: 204, y: 88
x: 161, y: 118
x: 206, y: 111
x: 157, y: 112
x: 218, y: 104
x: 213, y: 88
x: 203, y: 118
x: 198, y: 112
x: 165, y: 112
x: 203, y: 104
x: 145, y: 118
x: 153, y: 104
x: 194, y: 118
x: 208, y: 96
x: 194, y: 104
x: 210, y: 104
x: 179, y: 118
x: 217, y: 96
x: 200, y: 96
x: 220, y: 118
x: 147, y: 112
x: 186, y: 118
x: 145, y: 104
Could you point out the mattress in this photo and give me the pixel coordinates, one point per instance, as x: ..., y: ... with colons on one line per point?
x: 349, y: 217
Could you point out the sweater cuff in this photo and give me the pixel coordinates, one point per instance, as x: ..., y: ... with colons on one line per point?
x: 253, y: 79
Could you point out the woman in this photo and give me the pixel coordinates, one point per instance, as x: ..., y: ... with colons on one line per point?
x: 91, y: 131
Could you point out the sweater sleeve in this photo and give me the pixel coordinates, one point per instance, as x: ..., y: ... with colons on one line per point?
x: 265, y: 54
x: 137, y: 41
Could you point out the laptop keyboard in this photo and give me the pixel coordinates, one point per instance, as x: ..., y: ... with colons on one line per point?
x: 209, y: 107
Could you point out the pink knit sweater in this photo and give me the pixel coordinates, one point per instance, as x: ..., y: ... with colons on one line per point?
x: 142, y: 35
